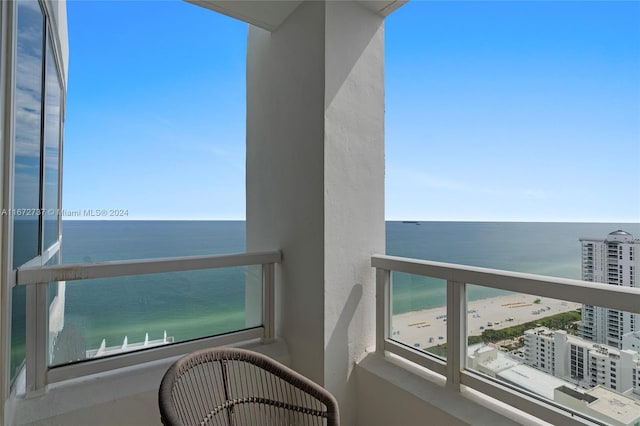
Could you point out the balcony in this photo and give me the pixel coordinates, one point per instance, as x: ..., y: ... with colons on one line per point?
x: 453, y: 366
x: 315, y: 120
x: 43, y: 369
x: 392, y: 359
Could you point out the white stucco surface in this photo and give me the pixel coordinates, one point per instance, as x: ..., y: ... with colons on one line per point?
x: 390, y: 394
x: 285, y: 172
x: 354, y: 189
x: 58, y: 13
x: 266, y: 14
x: 315, y: 180
x: 124, y: 397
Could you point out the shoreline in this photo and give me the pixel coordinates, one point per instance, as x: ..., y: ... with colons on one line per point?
x: 428, y: 327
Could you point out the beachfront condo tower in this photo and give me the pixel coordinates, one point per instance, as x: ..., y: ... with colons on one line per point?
x: 614, y: 260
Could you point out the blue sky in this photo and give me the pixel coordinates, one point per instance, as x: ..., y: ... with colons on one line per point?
x: 507, y: 110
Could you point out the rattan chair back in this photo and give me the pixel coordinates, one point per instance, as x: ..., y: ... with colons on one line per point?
x: 237, y: 387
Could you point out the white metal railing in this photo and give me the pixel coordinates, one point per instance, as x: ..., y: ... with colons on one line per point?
x: 457, y: 278
x: 39, y: 374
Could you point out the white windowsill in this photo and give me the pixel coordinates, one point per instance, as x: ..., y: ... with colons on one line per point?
x: 468, y: 406
x: 108, y: 387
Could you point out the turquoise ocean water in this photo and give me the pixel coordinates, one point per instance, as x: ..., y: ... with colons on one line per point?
x: 193, y: 304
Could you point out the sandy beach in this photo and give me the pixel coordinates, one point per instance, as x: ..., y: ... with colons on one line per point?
x: 429, y: 327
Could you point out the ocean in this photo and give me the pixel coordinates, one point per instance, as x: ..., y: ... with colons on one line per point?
x: 193, y: 304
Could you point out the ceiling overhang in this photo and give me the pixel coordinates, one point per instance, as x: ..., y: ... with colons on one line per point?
x: 269, y: 14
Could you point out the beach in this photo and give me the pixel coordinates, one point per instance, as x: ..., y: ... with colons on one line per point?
x: 428, y: 327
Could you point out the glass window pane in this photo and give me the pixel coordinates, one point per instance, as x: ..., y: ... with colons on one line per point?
x: 27, y: 162
x: 51, y: 203
x: 535, y: 344
x: 419, y: 316
x: 153, y: 309
x: 18, y: 329
x: 27, y: 131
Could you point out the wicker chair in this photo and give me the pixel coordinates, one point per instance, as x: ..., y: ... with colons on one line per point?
x: 236, y: 387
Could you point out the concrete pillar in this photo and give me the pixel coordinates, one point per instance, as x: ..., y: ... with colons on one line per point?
x: 315, y: 181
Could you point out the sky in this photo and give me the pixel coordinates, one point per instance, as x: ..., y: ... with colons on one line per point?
x: 506, y: 110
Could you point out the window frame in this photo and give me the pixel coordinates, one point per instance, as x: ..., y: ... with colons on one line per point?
x: 9, y: 51
x: 455, y: 369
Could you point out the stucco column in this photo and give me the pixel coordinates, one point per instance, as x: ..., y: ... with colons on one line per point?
x: 315, y: 180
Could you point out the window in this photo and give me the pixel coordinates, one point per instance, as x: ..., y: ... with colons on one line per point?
x: 27, y: 162
x: 28, y: 132
x: 38, y: 99
x: 51, y: 169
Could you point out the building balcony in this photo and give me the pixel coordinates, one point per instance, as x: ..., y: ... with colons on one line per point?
x: 588, y: 329
x: 391, y: 370
x: 456, y: 277
x: 316, y: 298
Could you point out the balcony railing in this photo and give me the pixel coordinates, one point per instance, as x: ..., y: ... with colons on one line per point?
x: 458, y: 277
x: 39, y: 372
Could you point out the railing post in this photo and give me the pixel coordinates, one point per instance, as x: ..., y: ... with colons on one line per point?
x: 36, y: 336
x: 383, y: 308
x: 268, y: 301
x: 456, y: 331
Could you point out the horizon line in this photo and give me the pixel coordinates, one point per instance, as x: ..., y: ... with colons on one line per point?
x: 76, y: 219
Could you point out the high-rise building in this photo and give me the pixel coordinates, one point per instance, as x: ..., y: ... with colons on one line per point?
x: 582, y: 362
x: 614, y: 260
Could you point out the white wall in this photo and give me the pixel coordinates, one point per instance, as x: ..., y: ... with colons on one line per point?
x: 8, y: 32
x: 285, y: 174
x: 315, y: 180
x: 391, y: 395
x: 138, y: 410
x: 58, y: 12
x: 354, y: 188
x: 123, y: 397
